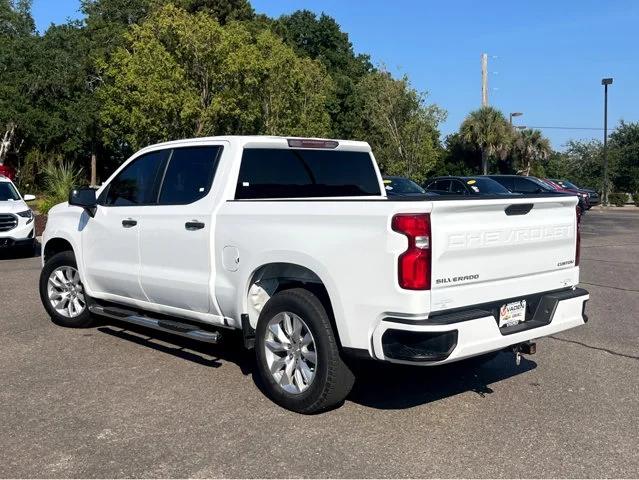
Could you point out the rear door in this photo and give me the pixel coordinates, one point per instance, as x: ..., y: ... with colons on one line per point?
x: 175, y: 235
x: 495, y: 248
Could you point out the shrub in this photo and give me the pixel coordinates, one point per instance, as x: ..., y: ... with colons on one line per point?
x: 44, y: 204
x: 635, y: 198
x: 58, y: 180
x: 617, y: 199
x: 29, y: 175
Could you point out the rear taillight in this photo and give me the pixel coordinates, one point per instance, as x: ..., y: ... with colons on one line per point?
x: 414, y: 263
x: 578, y: 242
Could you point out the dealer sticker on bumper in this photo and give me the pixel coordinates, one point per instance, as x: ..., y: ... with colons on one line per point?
x: 512, y: 313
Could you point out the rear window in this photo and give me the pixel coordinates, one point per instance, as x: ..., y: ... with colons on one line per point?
x: 531, y: 185
x: 402, y: 185
x: 299, y: 173
x: 483, y: 185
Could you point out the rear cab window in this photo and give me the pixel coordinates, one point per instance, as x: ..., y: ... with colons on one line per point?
x: 275, y: 173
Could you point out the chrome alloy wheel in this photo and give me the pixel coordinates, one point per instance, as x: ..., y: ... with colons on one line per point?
x: 65, y: 292
x: 290, y: 352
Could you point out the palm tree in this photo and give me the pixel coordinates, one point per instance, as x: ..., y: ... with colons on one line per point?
x: 488, y: 131
x: 530, y: 147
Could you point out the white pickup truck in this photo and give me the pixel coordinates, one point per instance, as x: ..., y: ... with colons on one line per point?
x: 295, y: 243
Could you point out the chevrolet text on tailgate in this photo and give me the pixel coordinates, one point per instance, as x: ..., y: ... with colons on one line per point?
x: 294, y: 242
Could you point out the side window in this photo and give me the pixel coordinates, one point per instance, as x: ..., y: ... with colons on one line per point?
x: 506, y: 182
x: 189, y: 174
x: 300, y: 173
x: 458, y: 188
x: 442, y: 185
x: 523, y: 185
x: 137, y: 183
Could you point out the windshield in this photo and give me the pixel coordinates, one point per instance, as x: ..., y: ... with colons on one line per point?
x: 542, y: 184
x: 8, y: 192
x: 402, y: 185
x: 567, y: 184
x: 486, y: 186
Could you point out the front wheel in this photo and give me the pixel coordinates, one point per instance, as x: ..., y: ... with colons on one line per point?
x: 297, y: 354
x: 62, y: 292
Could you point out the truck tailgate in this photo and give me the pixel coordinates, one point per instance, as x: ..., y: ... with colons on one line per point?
x: 499, y: 248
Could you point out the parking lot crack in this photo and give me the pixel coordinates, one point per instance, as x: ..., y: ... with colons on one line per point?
x: 601, y: 349
x: 610, y: 286
x: 610, y: 261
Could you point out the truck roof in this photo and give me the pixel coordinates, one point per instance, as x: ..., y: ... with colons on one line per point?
x: 265, y: 141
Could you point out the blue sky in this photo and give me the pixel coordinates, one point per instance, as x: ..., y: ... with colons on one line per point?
x: 547, y: 58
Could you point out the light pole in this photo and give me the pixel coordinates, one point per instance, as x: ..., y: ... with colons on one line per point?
x: 514, y: 114
x: 605, y: 82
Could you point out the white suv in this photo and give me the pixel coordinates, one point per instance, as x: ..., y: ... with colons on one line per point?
x: 17, y: 226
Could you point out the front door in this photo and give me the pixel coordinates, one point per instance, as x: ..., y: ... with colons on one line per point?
x: 110, y: 240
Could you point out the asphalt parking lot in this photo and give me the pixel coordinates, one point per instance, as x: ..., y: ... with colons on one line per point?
x: 115, y: 402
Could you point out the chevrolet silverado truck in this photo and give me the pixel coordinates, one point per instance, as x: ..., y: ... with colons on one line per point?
x: 295, y: 243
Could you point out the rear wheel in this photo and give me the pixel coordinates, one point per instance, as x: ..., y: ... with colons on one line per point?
x: 297, y: 354
x: 62, y: 292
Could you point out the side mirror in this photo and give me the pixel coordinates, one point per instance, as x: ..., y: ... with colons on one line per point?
x: 85, y: 198
x: 29, y: 198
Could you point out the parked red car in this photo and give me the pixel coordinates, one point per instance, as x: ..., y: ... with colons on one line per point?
x: 8, y: 172
x: 584, y: 201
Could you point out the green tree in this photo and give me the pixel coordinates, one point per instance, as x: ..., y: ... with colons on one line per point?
x: 556, y: 165
x: 223, y: 11
x: 624, y: 155
x: 530, y: 149
x: 16, y: 19
x: 17, y: 49
x: 400, y: 126
x: 457, y: 158
x: 321, y: 38
x: 184, y: 75
x: 487, y: 131
x: 581, y: 163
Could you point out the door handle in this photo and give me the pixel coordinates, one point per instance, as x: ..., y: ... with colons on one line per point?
x: 129, y: 222
x: 194, y: 225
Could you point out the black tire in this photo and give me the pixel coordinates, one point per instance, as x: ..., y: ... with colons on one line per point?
x: 85, y: 319
x: 333, y: 379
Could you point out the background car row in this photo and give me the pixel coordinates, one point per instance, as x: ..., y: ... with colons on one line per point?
x: 489, y: 185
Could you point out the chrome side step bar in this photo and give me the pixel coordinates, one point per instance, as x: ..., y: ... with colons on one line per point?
x: 169, y: 326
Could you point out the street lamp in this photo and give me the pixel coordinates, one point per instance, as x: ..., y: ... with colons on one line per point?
x: 605, y: 82
x: 514, y: 114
